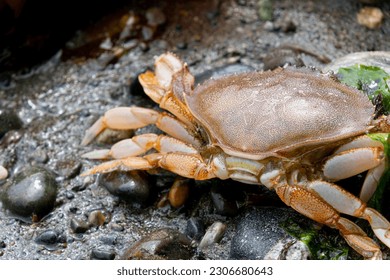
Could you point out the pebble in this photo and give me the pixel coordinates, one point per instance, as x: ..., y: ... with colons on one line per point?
x: 179, y: 192
x: 117, y: 227
x: 3, y: 173
x: 9, y: 120
x: 162, y: 200
x: 32, y: 193
x: 166, y: 243
x: 50, y: 239
x: 129, y: 27
x: 286, y: 24
x: 96, y: 218
x: 102, y: 254
x: 370, y: 17
x: 11, y: 137
x: 155, y: 17
x: 130, y: 186
x: 110, y: 239
x: 182, y: 45
x: 69, y: 194
x: 269, y: 26
x: 213, y: 235
x: 195, y: 228
x: 39, y: 156
x: 259, y: 235
x: 78, y: 226
x: 223, y: 200
x: 68, y: 168
x: 280, y: 57
x: 147, y: 33
x: 5, y: 80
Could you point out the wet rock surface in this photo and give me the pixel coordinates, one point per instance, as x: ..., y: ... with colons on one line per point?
x: 259, y: 236
x: 58, y: 100
x: 132, y: 187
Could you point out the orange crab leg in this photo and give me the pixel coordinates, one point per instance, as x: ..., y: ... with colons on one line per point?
x: 186, y: 165
x: 314, y: 207
x: 126, y: 164
x: 346, y: 203
x: 125, y: 118
x: 139, y: 145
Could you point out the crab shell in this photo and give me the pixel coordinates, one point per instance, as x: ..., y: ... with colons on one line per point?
x: 295, y: 131
x: 261, y: 114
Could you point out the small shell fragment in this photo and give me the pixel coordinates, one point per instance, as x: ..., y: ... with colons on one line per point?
x: 213, y: 235
x: 370, y: 17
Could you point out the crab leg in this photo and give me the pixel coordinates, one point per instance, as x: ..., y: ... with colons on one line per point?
x: 167, y: 85
x: 125, y: 164
x: 141, y: 144
x: 177, y: 129
x: 121, y: 118
x: 346, y: 203
x: 371, y: 181
x: 184, y: 164
x: 320, y: 210
x: 166, y: 99
x: 135, y: 117
x: 357, y: 156
x: 352, y: 162
x: 174, y: 155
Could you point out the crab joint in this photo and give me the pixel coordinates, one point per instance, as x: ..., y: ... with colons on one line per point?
x: 352, y: 162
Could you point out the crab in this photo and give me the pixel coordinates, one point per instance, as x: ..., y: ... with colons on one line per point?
x: 295, y: 131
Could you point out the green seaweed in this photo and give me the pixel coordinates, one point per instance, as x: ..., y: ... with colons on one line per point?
x: 322, y: 243
x: 369, y: 79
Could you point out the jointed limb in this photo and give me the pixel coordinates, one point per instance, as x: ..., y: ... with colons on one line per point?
x: 122, y: 118
x: 317, y: 208
x: 183, y: 164
x: 125, y: 118
x: 361, y: 154
x: 139, y: 145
